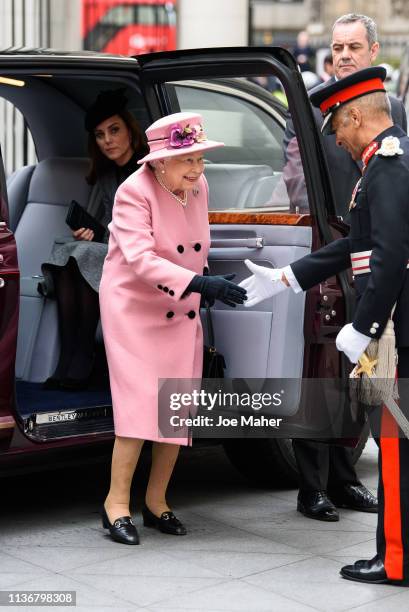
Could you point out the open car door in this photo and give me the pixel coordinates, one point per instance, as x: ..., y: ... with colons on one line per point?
x: 270, y: 201
x: 9, y: 304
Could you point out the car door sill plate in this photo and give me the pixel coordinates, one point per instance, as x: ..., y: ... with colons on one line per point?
x: 72, y: 422
x: 73, y: 414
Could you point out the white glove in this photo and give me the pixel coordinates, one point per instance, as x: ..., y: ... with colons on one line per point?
x: 352, y: 342
x: 263, y: 284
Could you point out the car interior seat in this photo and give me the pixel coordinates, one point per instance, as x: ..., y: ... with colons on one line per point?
x: 39, y: 197
x: 239, y: 186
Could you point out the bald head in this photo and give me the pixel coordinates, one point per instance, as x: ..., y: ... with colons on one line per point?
x: 372, y: 107
x: 360, y: 121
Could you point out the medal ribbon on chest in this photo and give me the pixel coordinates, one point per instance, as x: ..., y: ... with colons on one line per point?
x: 368, y: 152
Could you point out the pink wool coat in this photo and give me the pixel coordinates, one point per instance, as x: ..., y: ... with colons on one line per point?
x: 156, y: 246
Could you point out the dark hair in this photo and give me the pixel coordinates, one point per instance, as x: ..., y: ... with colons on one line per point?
x: 328, y: 59
x: 100, y: 164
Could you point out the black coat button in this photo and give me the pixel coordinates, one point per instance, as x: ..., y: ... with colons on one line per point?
x: 197, y: 246
x: 170, y: 314
x: 180, y: 248
x: 160, y: 287
x: 191, y: 314
x: 171, y: 292
x: 165, y: 289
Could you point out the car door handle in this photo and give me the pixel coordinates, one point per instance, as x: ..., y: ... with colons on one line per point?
x: 232, y: 243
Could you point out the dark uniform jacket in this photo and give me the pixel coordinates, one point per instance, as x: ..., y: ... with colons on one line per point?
x: 344, y: 171
x: 379, y: 222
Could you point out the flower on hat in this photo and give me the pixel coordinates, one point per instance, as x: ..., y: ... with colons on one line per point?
x: 200, y: 135
x: 185, y: 136
x: 390, y: 146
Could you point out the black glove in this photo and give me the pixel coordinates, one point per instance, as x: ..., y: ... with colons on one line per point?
x: 218, y: 288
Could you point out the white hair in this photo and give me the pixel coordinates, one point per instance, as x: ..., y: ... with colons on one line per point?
x: 368, y: 23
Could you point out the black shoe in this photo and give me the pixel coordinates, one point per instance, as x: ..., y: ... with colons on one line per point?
x: 166, y: 523
x: 122, y: 530
x: 372, y: 572
x: 316, y: 505
x: 355, y: 497
x: 51, y: 384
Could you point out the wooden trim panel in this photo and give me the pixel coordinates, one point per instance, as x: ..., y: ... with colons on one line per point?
x: 259, y: 218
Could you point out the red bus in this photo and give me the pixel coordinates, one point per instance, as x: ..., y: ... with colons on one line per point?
x: 129, y: 27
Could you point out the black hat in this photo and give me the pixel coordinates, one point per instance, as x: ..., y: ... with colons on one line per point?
x: 108, y: 103
x: 330, y: 97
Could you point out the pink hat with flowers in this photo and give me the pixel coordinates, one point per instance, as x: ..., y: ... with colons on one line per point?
x: 177, y: 134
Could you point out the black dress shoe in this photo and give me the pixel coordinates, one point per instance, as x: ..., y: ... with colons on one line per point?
x: 122, y: 530
x: 372, y: 571
x: 166, y: 523
x: 355, y: 497
x: 316, y: 505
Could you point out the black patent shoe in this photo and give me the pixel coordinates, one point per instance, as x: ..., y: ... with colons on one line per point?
x: 122, y: 529
x: 316, y: 505
x: 372, y: 572
x: 355, y: 497
x: 166, y: 523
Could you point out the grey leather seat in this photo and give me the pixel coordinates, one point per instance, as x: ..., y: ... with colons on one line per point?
x: 38, y: 199
x: 239, y: 186
x: 17, y: 189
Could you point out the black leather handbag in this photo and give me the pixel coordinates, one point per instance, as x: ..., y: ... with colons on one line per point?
x: 78, y: 217
x: 213, y: 362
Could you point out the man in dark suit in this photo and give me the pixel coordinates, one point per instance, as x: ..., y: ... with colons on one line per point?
x: 327, y: 476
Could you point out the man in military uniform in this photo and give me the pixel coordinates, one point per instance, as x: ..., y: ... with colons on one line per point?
x: 356, y: 108
x: 327, y: 476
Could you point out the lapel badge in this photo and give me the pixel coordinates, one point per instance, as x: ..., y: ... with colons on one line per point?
x: 390, y: 146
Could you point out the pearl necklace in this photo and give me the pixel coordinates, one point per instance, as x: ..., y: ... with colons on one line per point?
x: 182, y: 201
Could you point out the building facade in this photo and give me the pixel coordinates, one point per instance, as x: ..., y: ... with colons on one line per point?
x: 278, y: 21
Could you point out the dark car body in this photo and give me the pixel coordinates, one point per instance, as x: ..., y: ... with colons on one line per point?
x: 298, y: 341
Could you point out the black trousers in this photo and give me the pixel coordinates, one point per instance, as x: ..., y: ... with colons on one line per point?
x: 392, y: 536
x: 323, y: 467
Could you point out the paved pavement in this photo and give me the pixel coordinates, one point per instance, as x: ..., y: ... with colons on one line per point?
x: 247, y: 548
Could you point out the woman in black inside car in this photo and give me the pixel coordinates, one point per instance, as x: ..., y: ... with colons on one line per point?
x: 115, y: 143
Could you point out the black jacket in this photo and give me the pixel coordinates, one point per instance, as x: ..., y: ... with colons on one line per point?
x: 344, y: 171
x: 379, y: 222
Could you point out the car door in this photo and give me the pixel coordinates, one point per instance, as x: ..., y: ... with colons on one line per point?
x: 9, y: 303
x: 257, y: 210
x: 270, y: 201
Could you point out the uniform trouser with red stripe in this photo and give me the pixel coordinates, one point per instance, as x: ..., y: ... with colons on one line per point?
x: 392, y: 536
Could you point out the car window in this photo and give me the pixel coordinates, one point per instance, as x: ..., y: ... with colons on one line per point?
x: 259, y: 168
x: 15, y: 137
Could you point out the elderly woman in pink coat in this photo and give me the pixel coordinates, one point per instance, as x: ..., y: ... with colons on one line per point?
x: 153, y: 279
